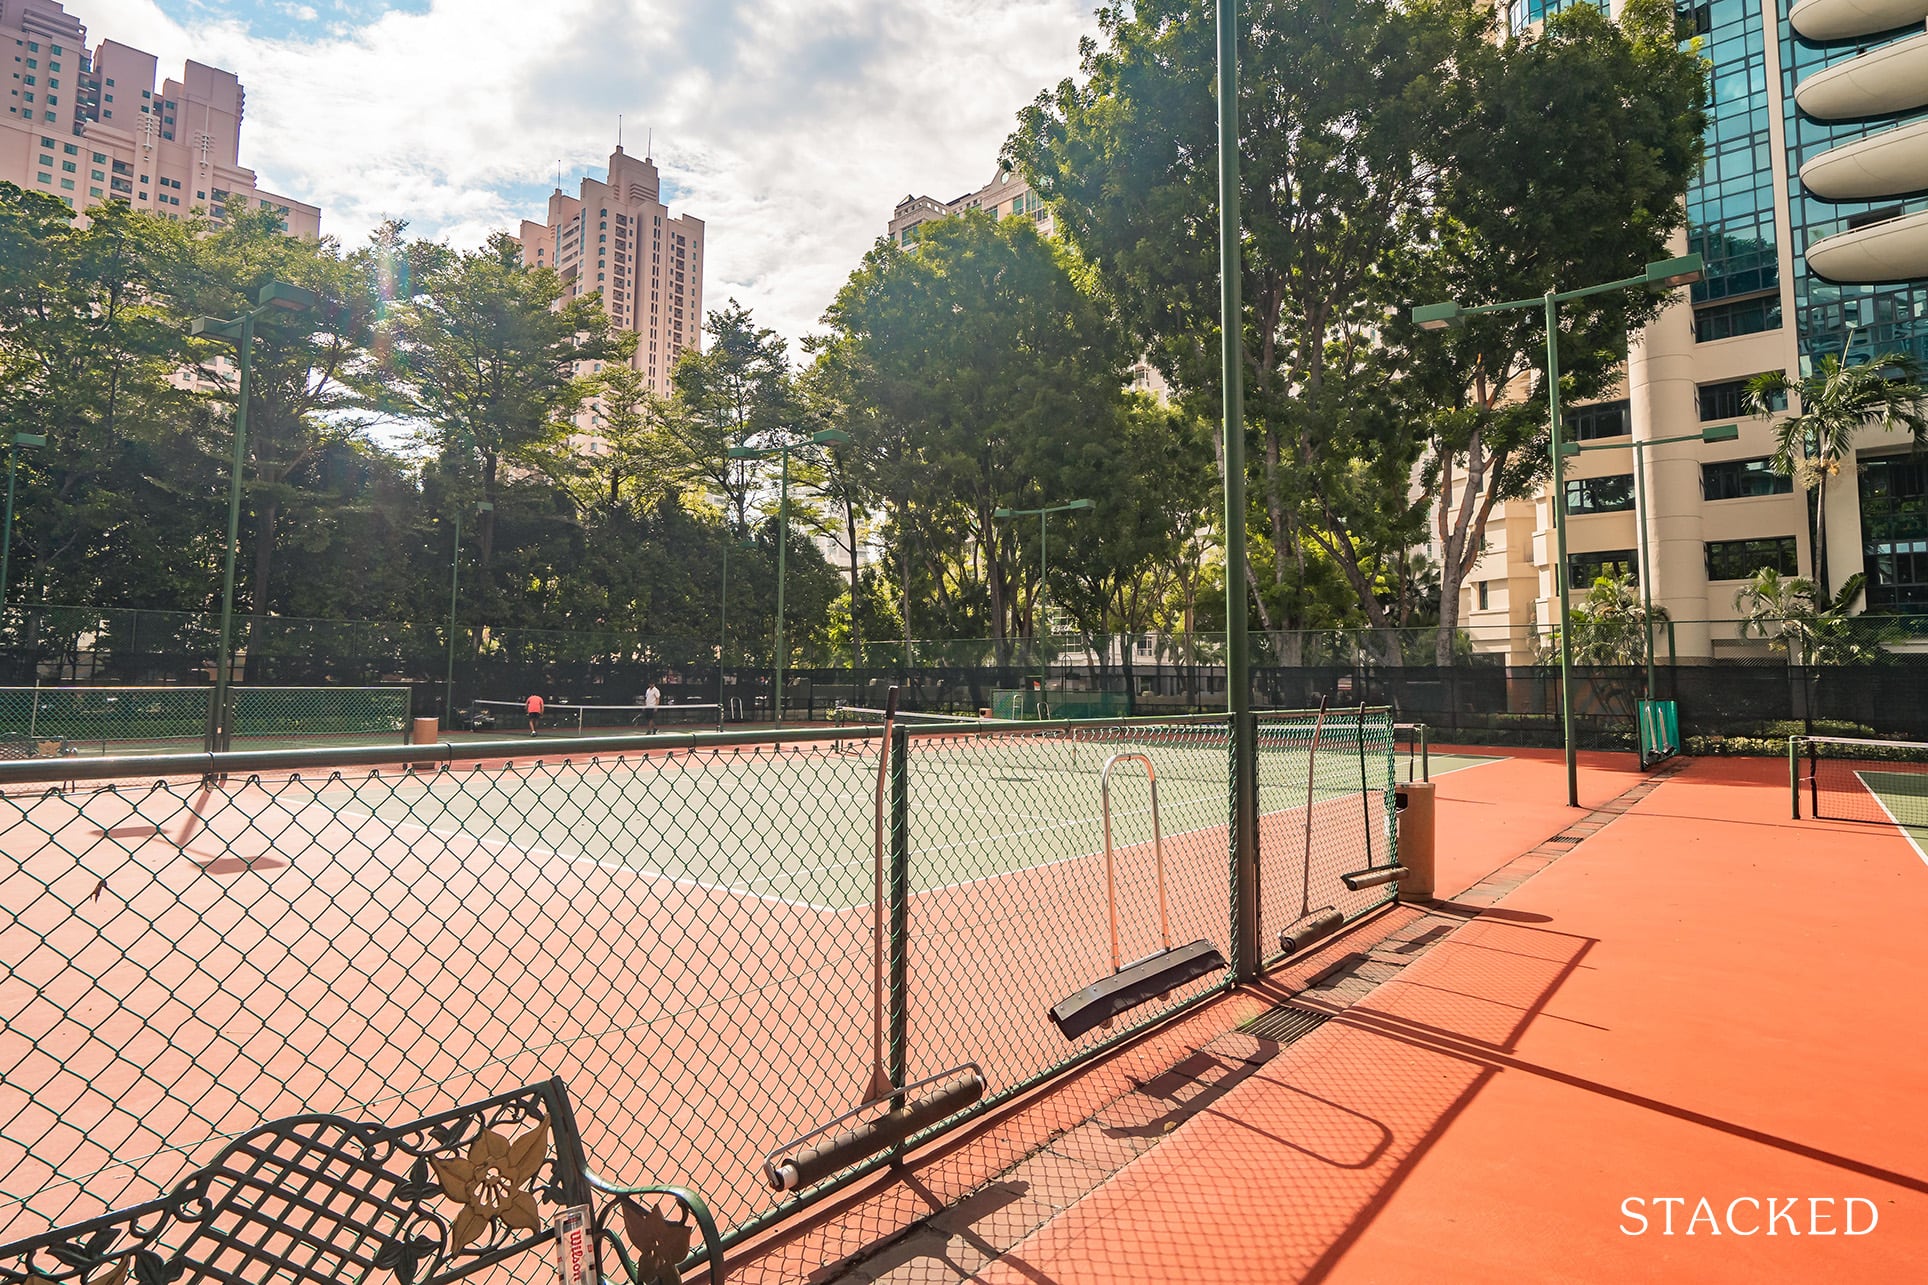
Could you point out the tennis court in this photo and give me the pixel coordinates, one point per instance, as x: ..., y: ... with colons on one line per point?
x: 683, y: 931
x: 1884, y: 782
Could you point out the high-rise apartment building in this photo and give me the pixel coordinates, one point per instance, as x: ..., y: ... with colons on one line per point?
x: 92, y: 127
x: 1811, y: 211
x: 617, y: 239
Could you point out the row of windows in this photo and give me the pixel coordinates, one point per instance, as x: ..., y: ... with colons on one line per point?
x: 1726, y: 560
x: 1721, y: 480
x: 1727, y: 399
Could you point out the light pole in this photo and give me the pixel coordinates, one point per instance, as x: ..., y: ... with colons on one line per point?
x: 1644, y: 507
x: 1437, y: 316
x: 1044, y: 559
x: 455, y: 581
x: 275, y: 296
x: 823, y: 437
x: 6, y: 538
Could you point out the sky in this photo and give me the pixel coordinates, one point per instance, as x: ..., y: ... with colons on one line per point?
x: 791, y: 127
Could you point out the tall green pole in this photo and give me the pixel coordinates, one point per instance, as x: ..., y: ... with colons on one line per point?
x: 455, y: 581
x: 220, y: 732
x: 1559, y: 542
x: 1646, y: 562
x: 723, y: 611
x: 6, y: 539
x: 783, y: 543
x: 1243, y: 799
x: 1037, y: 610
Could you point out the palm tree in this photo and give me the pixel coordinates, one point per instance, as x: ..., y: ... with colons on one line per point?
x: 1837, y: 402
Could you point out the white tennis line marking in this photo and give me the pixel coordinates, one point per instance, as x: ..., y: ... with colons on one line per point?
x: 1882, y: 803
x: 645, y: 871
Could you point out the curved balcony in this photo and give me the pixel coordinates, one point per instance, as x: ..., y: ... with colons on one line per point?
x: 1823, y: 20
x: 1882, y: 82
x: 1891, y: 163
x: 1896, y: 250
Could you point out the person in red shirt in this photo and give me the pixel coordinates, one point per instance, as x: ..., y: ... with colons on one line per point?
x: 534, y: 707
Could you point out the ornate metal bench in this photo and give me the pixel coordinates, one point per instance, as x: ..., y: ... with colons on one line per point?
x: 319, y: 1199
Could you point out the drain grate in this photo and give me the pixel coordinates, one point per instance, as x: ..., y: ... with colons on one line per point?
x: 1284, y: 1024
x: 1566, y: 838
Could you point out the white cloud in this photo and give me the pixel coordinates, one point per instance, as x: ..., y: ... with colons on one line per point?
x: 791, y: 127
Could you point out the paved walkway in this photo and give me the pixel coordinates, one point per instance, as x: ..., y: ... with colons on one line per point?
x: 1698, y: 999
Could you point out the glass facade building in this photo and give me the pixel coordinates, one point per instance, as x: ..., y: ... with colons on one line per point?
x: 1730, y: 207
x: 1884, y: 318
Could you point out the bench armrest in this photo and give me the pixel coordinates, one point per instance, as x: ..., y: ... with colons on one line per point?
x: 699, y: 1211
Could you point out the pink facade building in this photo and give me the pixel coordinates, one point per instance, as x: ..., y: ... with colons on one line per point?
x: 90, y: 127
x: 617, y: 239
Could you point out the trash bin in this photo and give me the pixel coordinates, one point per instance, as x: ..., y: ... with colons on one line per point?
x: 425, y: 731
x: 1415, y: 819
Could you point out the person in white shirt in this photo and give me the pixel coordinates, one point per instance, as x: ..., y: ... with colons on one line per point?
x: 651, y: 699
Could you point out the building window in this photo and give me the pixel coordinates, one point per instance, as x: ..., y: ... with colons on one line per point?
x: 1728, y: 400
x: 1485, y: 599
x: 1740, y: 559
x: 1894, y: 532
x: 1602, y: 419
x: 43, y: 177
x: 1741, y: 317
x: 1584, y: 568
x: 1612, y: 494
x: 94, y: 192
x: 1742, y: 479
x: 70, y: 148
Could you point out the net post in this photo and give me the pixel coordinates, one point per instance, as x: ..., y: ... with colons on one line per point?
x: 1794, y: 773
x: 899, y: 985
x: 1365, y: 795
x: 1425, y: 753
x: 1814, y: 777
x: 1246, y: 947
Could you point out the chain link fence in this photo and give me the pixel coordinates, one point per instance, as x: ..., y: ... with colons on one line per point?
x: 685, y: 934
x: 59, y: 722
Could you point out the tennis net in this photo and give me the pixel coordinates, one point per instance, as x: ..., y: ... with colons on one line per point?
x: 1851, y: 779
x: 512, y: 718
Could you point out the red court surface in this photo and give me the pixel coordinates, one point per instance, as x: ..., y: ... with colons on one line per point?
x: 1703, y: 1000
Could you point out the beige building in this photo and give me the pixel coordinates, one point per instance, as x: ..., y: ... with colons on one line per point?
x: 617, y: 239
x: 1811, y: 217
x: 1005, y: 195
x: 92, y: 127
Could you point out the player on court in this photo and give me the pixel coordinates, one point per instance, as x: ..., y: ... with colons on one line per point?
x: 651, y: 700
x: 534, y: 708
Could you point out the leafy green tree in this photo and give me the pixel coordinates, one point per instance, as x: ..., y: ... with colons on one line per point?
x: 115, y: 508
x: 1609, y: 625
x: 1340, y: 104
x: 1554, y: 176
x: 989, y: 372
x: 733, y: 392
x: 310, y: 383
x: 1838, y: 403
x: 497, y: 362
x: 1791, y: 614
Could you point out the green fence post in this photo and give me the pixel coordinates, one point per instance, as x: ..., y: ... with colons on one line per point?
x: 1794, y: 773
x: 899, y: 906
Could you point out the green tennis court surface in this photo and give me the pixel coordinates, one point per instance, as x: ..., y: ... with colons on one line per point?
x: 1904, y: 797
x: 798, y: 825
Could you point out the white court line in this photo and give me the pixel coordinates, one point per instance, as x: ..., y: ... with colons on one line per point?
x: 1882, y: 803
x: 645, y: 871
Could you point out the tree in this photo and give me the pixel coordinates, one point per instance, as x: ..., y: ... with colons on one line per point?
x: 989, y: 372
x: 1339, y: 102
x: 1609, y: 625
x: 310, y: 378
x: 1790, y: 613
x: 1385, y: 150
x: 493, y: 357
x: 1838, y: 402
x: 116, y: 508
x: 1554, y: 176
x: 735, y: 390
